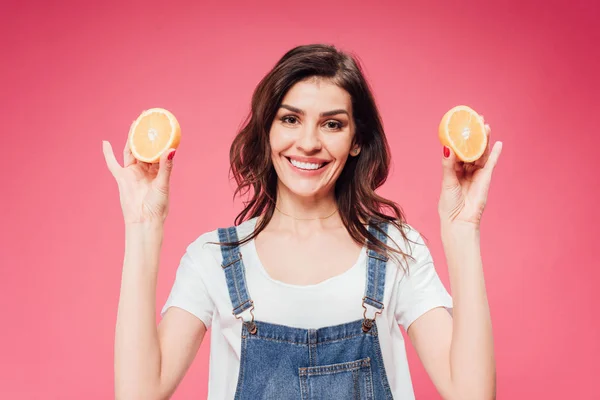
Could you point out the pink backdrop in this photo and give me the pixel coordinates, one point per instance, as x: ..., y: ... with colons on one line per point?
x: 74, y: 73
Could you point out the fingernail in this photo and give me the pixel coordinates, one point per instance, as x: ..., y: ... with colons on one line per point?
x: 170, y: 157
x: 446, y: 152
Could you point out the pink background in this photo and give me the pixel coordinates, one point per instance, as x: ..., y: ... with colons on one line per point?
x: 74, y: 73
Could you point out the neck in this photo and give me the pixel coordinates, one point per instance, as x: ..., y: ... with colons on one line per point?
x: 295, y: 211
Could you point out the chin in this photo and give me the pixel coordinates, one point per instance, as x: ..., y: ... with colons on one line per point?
x: 305, y: 189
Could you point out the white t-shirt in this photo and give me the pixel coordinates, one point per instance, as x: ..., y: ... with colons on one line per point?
x: 201, y: 289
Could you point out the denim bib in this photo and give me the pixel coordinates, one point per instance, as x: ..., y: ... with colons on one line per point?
x: 286, y: 363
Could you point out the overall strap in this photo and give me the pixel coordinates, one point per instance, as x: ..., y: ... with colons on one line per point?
x: 233, y: 266
x: 375, y: 286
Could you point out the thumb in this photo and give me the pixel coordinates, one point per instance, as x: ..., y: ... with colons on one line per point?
x: 165, y: 167
x: 109, y: 157
x: 449, y: 177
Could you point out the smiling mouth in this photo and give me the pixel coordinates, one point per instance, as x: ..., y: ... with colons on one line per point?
x: 306, y: 166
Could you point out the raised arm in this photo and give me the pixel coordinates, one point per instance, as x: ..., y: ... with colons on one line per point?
x: 458, y: 351
x: 150, y: 360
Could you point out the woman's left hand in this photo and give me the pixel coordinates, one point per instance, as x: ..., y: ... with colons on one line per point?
x: 465, y: 186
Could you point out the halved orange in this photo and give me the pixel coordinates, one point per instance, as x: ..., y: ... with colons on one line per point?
x: 463, y: 130
x: 155, y: 131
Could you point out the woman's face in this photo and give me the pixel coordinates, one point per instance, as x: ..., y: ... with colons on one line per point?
x: 311, y: 137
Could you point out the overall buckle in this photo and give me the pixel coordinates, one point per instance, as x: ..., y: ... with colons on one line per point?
x: 368, y: 322
x: 250, y: 325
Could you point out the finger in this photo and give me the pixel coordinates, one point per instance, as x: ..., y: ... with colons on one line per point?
x: 493, y: 158
x: 480, y: 163
x: 165, y: 168
x: 153, y: 168
x: 109, y: 157
x: 449, y: 168
x: 488, y: 130
x: 128, y: 157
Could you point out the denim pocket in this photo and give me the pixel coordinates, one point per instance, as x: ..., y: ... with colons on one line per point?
x: 350, y: 380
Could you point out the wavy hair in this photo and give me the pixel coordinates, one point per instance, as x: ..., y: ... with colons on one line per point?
x: 357, y: 201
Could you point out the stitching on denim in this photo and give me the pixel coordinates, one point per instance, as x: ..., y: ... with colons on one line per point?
x: 230, y: 270
x: 377, y: 257
x: 233, y: 274
x: 356, y: 384
x: 348, y: 337
x: 381, y: 367
x: 349, y: 366
x: 369, y: 384
x: 242, y: 306
x: 378, y: 268
x: 237, y: 289
x: 256, y: 337
x: 225, y: 260
x: 243, y: 360
x: 370, y: 333
x: 376, y: 284
x: 229, y: 263
x: 248, y: 297
x: 368, y: 282
x: 303, y: 386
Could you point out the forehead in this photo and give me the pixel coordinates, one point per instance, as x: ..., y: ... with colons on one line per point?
x: 317, y: 94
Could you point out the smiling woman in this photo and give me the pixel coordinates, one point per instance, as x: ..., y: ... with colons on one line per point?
x: 306, y: 293
x: 304, y: 92
x: 309, y: 148
x: 312, y: 116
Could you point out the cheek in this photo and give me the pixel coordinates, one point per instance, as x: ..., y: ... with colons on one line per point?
x: 341, y: 163
x: 277, y: 140
x: 340, y: 148
x: 282, y: 141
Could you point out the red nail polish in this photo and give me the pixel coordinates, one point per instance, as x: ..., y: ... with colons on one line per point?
x: 170, y: 157
x: 446, y: 152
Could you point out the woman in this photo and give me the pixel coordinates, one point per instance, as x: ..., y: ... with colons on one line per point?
x: 306, y: 294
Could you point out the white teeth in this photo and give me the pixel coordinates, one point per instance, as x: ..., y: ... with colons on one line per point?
x: 303, y: 165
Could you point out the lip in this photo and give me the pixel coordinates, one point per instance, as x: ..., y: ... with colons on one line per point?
x: 307, y: 172
x: 312, y: 160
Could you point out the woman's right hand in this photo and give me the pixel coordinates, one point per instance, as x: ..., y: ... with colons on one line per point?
x: 143, y: 187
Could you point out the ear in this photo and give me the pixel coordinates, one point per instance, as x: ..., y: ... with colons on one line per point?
x: 355, y: 151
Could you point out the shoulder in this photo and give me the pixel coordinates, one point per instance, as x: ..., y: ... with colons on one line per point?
x: 410, y: 248
x: 405, y: 238
x: 206, y: 247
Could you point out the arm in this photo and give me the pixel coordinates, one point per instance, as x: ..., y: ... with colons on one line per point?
x: 149, y: 361
x: 457, y: 352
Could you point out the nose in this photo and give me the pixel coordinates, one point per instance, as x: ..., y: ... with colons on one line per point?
x: 309, y: 140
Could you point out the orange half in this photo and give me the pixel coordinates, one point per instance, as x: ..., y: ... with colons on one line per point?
x: 463, y: 130
x: 155, y: 131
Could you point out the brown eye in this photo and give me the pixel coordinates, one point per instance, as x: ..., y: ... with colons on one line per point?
x: 333, y: 125
x: 289, y: 119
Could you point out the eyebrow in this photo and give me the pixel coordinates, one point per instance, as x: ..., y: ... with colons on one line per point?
x: 323, y: 114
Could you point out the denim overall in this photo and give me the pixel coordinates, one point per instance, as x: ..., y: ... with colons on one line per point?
x: 284, y: 363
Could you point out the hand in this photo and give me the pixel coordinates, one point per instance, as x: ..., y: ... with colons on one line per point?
x: 143, y: 187
x: 465, y: 186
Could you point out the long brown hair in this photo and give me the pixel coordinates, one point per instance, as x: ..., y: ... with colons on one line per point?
x: 357, y: 201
